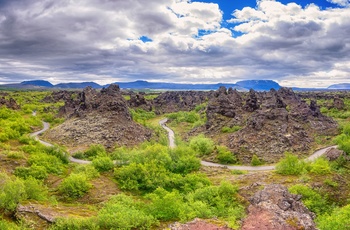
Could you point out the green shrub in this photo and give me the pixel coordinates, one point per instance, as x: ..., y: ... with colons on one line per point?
x: 35, y: 189
x: 141, y: 116
x: 35, y: 171
x: 339, y: 219
x: 320, y: 166
x: 122, y: 212
x: 232, y: 129
x: 165, y: 205
x: 255, y: 161
x: 312, y: 200
x: 290, y: 165
x: 225, y: 156
x: 87, y: 169
x: 202, y: 145
x: 103, y: 164
x: 183, y: 160
x: 75, y: 224
x: 5, y: 225
x: 75, y: 185
x: 51, y: 163
x: 12, y: 191
x: 94, y: 151
x: 146, y: 177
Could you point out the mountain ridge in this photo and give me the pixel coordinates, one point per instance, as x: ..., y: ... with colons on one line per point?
x: 245, y: 85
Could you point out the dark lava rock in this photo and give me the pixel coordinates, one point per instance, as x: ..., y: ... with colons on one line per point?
x: 275, y: 208
x: 271, y: 123
x: 98, y: 118
x: 174, y: 101
x: 9, y: 103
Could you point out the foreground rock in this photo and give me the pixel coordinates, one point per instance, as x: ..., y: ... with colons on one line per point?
x: 275, y: 208
x: 98, y: 118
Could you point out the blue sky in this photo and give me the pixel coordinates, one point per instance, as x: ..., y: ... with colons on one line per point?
x: 296, y: 43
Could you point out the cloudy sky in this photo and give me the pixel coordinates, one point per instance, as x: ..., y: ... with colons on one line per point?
x: 296, y: 43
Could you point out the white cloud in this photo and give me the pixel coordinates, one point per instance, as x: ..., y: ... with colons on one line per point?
x: 340, y: 2
x: 99, y: 40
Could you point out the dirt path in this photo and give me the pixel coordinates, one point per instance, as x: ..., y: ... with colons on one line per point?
x: 171, y: 137
x: 46, y: 127
x: 171, y: 134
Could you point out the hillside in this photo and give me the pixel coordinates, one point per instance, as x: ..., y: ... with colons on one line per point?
x: 98, y: 117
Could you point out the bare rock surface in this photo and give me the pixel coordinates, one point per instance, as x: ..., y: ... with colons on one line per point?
x: 173, y: 101
x: 98, y: 118
x: 271, y: 123
x: 9, y: 103
x: 275, y: 208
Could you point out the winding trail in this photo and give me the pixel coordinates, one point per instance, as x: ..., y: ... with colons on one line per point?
x: 46, y: 127
x: 171, y: 137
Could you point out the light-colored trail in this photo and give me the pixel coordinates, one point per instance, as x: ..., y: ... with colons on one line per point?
x: 171, y: 137
x: 46, y: 127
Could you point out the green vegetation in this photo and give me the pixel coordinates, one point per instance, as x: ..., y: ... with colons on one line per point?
x: 202, y: 145
x: 256, y: 161
x: 290, y: 165
x: 75, y: 185
x: 225, y: 156
x: 194, y: 118
x: 338, y: 219
x: 141, y: 116
x: 232, y: 129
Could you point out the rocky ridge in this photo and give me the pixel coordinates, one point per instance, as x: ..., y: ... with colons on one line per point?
x: 9, y: 103
x: 98, y: 118
x: 271, y: 123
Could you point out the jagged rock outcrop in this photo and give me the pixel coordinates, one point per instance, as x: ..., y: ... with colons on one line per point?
x: 271, y: 123
x: 9, y: 103
x: 275, y: 208
x: 138, y: 101
x: 57, y: 96
x: 174, y: 101
x: 98, y: 118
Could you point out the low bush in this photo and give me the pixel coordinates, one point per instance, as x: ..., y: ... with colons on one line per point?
x: 225, y: 156
x: 75, y: 224
x: 202, y: 145
x: 312, y: 199
x: 35, y: 171
x: 75, y: 185
x: 87, y: 169
x: 122, y: 212
x: 232, y: 129
x: 12, y: 191
x: 103, y: 164
x: 338, y: 219
x: 255, y: 161
x: 290, y: 165
x: 320, y: 166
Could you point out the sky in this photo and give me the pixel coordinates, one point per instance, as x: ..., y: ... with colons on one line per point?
x: 296, y: 43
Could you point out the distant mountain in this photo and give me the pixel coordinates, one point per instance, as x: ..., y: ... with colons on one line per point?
x: 173, y: 86
x: 41, y: 83
x: 80, y: 85
x: 259, y: 85
x: 340, y: 86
